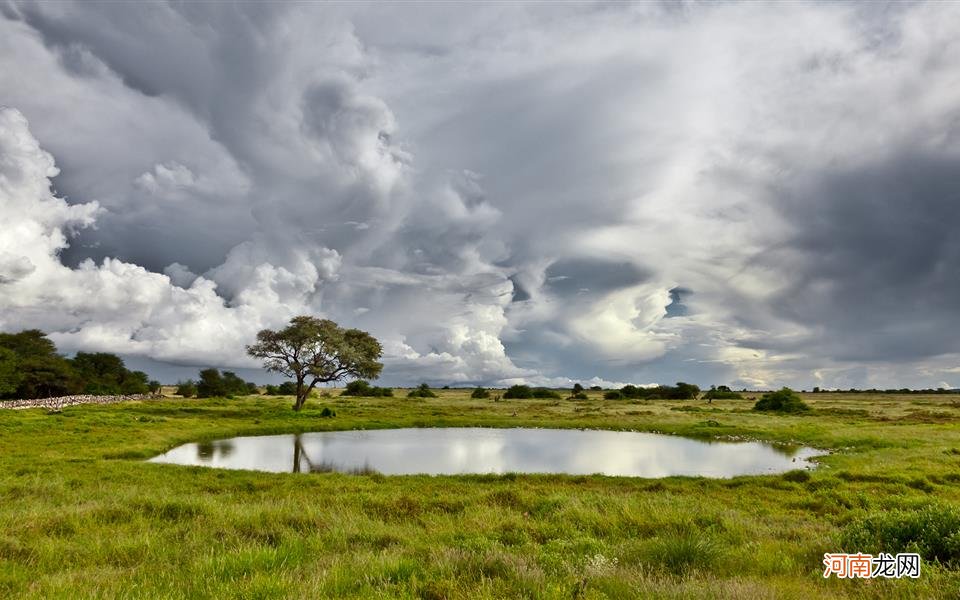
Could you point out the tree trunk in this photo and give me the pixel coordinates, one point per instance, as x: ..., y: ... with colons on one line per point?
x: 301, y: 394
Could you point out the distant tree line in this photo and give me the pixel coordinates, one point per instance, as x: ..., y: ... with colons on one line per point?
x: 31, y: 367
x: 926, y: 391
x: 721, y: 392
x: 681, y: 391
x: 363, y: 389
x: 525, y: 391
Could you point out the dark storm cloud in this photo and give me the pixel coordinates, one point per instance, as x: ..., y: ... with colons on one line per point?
x: 877, y: 259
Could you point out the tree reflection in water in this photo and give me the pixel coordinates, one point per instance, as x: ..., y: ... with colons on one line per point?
x: 207, y: 450
x: 303, y: 464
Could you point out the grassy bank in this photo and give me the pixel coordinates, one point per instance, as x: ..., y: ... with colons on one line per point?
x: 81, y: 514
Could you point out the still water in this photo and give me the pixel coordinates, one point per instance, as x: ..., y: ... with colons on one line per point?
x: 452, y: 451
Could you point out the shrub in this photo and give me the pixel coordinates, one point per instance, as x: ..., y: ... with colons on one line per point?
x: 287, y: 388
x: 187, y: 389
x: 363, y: 389
x: 933, y: 532
x: 480, y: 393
x: 327, y: 413
x: 525, y: 392
x: 577, y: 388
x: 422, y: 391
x: 784, y: 401
x: 684, y: 391
x: 155, y: 386
x: 235, y: 386
x: 357, y: 388
x: 519, y: 392
x: 613, y: 395
x: 212, y: 384
x: 722, y: 393
x: 578, y: 396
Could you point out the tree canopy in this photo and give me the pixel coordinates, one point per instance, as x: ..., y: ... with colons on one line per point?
x: 30, y: 367
x: 105, y: 373
x: 313, y: 351
x: 9, y: 371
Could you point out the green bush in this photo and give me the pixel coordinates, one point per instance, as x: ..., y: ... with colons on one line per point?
x: 613, y: 395
x: 681, y: 391
x: 933, y: 532
x: 187, y: 389
x: 721, y: 392
x: 784, y: 401
x: 519, y: 392
x: 356, y: 388
x: 578, y: 396
x: 214, y: 384
x: 421, y: 391
x: 525, y: 391
x: 363, y: 389
x: 287, y: 388
x: 211, y: 384
x: 480, y: 393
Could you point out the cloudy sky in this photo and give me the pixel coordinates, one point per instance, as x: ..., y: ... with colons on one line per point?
x: 756, y: 194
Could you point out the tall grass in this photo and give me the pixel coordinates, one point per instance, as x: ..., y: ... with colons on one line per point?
x: 82, y: 516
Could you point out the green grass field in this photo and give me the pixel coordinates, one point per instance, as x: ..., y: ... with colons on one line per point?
x: 81, y: 514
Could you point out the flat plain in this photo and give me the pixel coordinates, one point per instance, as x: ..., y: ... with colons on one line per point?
x: 82, y: 515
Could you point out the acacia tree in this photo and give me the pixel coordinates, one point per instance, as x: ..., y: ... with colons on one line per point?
x: 312, y: 351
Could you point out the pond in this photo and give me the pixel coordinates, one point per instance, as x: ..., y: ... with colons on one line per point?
x: 461, y: 450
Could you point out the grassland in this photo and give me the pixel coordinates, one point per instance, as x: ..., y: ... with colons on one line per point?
x: 81, y: 514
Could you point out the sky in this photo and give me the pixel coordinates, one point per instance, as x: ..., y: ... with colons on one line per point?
x: 750, y: 194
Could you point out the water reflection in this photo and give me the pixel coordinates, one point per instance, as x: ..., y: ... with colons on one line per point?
x: 484, y: 450
x: 206, y: 451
